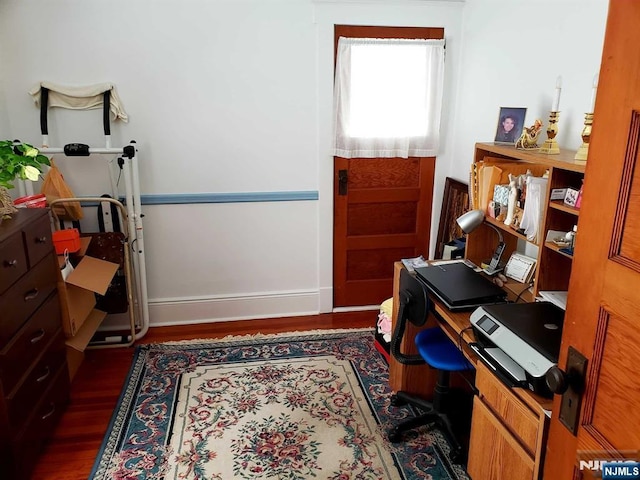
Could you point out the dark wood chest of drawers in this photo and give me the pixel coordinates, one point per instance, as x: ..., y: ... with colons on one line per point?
x: 34, y: 381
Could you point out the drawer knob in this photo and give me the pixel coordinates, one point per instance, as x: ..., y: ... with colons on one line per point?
x: 39, y: 335
x: 41, y: 239
x: 11, y: 263
x: 50, y: 412
x: 45, y: 375
x: 31, y: 294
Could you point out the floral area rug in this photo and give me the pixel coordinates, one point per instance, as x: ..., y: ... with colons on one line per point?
x: 312, y: 405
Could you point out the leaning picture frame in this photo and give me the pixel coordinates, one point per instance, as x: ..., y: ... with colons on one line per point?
x: 455, y: 202
x: 510, y: 125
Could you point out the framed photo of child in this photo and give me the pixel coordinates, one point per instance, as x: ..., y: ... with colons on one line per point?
x: 510, y: 124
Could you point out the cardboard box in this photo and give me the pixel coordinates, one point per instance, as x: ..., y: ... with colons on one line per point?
x: 571, y: 197
x: 77, y: 292
x: 84, y: 245
x: 77, y: 344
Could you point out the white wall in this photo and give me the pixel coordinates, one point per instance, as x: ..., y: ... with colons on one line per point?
x: 4, y: 116
x: 235, y: 96
x: 221, y: 97
x: 513, y: 52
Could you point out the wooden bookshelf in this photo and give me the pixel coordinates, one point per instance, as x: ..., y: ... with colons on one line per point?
x: 553, y: 267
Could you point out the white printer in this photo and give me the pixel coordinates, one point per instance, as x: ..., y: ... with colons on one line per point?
x: 519, y: 341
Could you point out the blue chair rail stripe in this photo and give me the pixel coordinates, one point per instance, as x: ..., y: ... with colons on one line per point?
x: 234, y: 197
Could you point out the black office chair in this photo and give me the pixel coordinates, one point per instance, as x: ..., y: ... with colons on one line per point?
x: 437, y: 351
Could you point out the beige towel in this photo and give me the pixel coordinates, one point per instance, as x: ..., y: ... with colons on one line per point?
x: 80, y: 98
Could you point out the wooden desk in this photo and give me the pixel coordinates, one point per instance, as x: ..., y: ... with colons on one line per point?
x: 509, y: 425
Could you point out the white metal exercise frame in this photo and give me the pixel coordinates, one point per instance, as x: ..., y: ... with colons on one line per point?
x: 132, y: 203
x: 132, y: 305
x: 133, y: 218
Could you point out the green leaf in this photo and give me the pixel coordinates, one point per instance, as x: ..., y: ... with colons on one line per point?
x: 43, y: 159
x: 19, y: 160
x: 32, y: 173
x: 30, y: 151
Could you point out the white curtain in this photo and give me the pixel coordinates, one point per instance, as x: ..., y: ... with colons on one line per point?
x: 388, y: 97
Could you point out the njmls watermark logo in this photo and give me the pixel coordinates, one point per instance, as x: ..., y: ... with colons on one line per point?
x: 626, y: 466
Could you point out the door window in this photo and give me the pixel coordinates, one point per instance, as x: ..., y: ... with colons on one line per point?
x: 388, y: 97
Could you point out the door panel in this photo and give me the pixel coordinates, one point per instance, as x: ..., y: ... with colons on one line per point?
x: 381, y: 218
x: 371, y: 264
x: 611, y: 395
x: 629, y: 247
x: 373, y: 174
x: 384, y: 215
x: 603, y: 308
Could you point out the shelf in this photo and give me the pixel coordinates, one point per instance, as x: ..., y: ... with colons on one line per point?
x: 553, y: 272
x: 556, y: 248
x: 560, y: 205
x: 564, y: 160
x: 504, y: 228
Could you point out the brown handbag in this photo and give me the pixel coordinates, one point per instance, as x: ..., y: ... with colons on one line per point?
x: 54, y: 187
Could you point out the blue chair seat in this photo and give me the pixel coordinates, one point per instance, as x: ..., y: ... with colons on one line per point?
x: 439, y: 351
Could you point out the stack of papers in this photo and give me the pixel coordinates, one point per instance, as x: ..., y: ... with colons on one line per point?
x: 557, y: 297
x: 412, y: 263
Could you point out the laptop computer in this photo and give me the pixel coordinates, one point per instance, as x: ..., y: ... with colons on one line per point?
x: 460, y: 287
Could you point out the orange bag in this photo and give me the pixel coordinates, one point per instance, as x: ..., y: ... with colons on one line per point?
x: 54, y: 187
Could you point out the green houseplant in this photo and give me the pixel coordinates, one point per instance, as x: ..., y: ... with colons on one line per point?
x: 17, y: 161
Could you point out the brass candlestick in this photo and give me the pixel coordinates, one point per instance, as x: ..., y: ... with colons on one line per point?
x: 550, y: 146
x: 583, y: 151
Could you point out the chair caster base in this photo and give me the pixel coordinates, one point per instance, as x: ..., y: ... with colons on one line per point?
x: 394, y: 435
x: 457, y: 456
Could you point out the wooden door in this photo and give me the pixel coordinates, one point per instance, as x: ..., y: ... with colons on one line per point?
x: 603, y: 311
x: 383, y: 216
x: 382, y: 206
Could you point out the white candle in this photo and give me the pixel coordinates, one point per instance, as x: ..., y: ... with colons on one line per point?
x: 556, y: 100
x: 593, y: 94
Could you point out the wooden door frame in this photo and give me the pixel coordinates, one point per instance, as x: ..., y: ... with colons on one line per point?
x: 367, y: 31
x: 363, y: 31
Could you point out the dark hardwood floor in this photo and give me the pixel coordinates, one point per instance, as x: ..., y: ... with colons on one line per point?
x: 70, y: 454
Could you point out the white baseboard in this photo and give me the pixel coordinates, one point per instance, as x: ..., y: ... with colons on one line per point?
x: 356, y: 309
x: 193, y: 310
x: 325, y: 300
x: 176, y: 311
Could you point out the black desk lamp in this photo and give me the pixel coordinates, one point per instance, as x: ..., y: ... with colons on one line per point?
x: 472, y: 220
